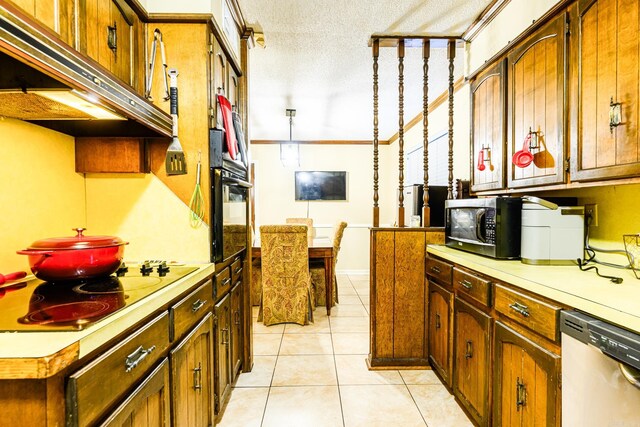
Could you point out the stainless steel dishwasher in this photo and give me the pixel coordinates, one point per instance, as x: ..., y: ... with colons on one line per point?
x: 600, y: 373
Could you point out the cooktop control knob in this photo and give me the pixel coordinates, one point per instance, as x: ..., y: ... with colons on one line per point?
x: 163, y: 269
x: 146, y: 268
x: 122, y: 270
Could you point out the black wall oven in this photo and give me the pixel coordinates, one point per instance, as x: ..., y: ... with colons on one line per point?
x: 229, y: 206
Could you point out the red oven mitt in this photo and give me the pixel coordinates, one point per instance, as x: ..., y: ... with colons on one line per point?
x: 232, y: 143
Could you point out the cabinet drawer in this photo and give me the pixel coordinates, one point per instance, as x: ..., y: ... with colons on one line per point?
x: 439, y: 270
x: 222, y: 284
x: 537, y: 315
x: 473, y: 286
x: 190, y: 309
x: 96, y: 387
x: 236, y: 271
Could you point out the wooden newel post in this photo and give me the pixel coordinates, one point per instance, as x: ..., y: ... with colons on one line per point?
x: 401, y: 133
x: 376, y: 208
x: 451, y: 54
x: 426, y: 210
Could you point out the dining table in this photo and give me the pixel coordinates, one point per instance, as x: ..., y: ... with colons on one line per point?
x: 320, y: 248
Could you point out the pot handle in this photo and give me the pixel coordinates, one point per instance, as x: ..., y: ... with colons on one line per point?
x: 34, y: 252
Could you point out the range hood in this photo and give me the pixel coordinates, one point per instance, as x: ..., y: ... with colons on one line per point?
x: 48, y: 83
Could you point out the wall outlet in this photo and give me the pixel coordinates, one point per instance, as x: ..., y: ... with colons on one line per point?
x: 591, y: 211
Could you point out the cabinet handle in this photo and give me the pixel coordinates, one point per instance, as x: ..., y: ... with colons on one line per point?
x: 112, y: 37
x: 436, y: 269
x: 469, y: 352
x: 197, y: 378
x: 465, y: 284
x: 225, y: 334
x: 236, y: 317
x: 226, y: 281
x: 238, y: 270
x: 521, y: 394
x: 437, y: 321
x: 136, y: 357
x: 197, y: 305
x: 615, y: 114
x: 520, y: 309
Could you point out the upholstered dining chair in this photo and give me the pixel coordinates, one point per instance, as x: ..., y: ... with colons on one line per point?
x: 317, y: 269
x: 286, y: 284
x: 306, y: 221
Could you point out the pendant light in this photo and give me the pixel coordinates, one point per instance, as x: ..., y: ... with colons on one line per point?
x: 290, y: 151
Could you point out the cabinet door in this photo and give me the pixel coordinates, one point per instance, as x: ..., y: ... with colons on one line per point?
x: 525, y: 381
x: 236, y: 330
x: 222, y: 352
x: 536, y: 108
x: 488, y: 124
x: 148, y: 405
x: 606, y: 46
x: 440, y: 301
x: 472, y: 356
x: 192, y: 377
x: 57, y: 15
x: 234, y: 89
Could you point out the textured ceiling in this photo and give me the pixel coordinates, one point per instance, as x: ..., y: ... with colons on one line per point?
x: 317, y: 61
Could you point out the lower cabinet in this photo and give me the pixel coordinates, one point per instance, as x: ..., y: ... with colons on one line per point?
x: 526, y: 381
x: 222, y: 351
x: 192, y: 377
x: 472, y: 348
x: 148, y: 405
x: 440, y: 305
x: 236, y: 330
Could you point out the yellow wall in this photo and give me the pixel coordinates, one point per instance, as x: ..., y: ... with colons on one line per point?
x: 40, y: 193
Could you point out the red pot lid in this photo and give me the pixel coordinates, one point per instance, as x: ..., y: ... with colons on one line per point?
x: 79, y: 241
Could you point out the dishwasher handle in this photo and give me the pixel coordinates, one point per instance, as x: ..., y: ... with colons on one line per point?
x: 631, y: 374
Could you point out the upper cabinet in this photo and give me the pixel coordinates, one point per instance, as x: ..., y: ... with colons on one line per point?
x: 535, y: 138
x: 57, y: 15
x: 111, y: 33
x: 604, y: 76
x: 488, y: 128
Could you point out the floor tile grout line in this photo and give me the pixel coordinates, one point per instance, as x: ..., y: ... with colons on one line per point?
x: 415, y: 403
x: 264, y: 411
x: 335, y: 366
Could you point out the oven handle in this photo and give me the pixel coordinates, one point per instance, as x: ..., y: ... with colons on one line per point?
x: 235, y: 181
x: 630, y: 374
x: 479, y: 236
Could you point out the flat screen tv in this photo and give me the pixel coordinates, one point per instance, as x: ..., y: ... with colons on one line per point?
x: 321, y: 185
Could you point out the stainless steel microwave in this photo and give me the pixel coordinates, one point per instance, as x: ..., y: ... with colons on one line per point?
x: 487, y: 226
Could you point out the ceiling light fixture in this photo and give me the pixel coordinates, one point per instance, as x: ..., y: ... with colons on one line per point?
x: 290, y: 151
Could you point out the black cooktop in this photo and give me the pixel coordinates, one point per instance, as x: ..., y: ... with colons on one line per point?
x: 36, y: 306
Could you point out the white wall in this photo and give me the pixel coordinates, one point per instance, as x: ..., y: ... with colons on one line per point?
x: 275, y: 202
x: 513, y: 20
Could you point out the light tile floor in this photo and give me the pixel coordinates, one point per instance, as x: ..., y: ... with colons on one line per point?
x: 316, y: 375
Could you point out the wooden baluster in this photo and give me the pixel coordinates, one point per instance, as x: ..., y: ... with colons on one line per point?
x: 401, y: 133
x: 426, y: 210
x: 451, y: 54
x: 376, y: 209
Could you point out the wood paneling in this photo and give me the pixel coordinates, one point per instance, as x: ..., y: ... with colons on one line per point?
x: 605, y: 69
x: 536, y: 103
x: 488, y: 128
x: 115, y: 155
x: 222, y: 352
x: 440, y: 316
x: 382, y: 293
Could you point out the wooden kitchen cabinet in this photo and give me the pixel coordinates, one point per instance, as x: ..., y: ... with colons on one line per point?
x: 488, y: 128
x: 526, y: 381
x: 236, y: 330
x: 148, y: 405
x: 222, y: 348
x: 192, y: 377
x: 472, y: 348
x: 57, y: 15
x: 536, y: 102
x: 440, y: 328
x: 110, y: 32
x: 604, y: 70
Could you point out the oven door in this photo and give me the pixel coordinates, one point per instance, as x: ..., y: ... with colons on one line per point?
x: 230, y: 215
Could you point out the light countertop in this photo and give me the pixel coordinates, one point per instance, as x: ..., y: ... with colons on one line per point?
x: 583, y: 290
x: 42, y: 354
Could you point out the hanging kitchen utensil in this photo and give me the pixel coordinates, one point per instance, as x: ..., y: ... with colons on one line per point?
x: 197, y: 202
x: 12, y: 276
x: 230, y: 134
x: 523, y: 158
x: 237, y: 125
x: 175, y: 163
x: 481, y: 165
x: 632, y: 248
x: 157, y: 39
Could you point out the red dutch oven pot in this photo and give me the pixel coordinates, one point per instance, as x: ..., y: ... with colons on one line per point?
x: 73, y: 258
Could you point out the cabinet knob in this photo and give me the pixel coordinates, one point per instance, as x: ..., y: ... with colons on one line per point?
x: 197, y: 305
x: 521, y: 309
x: 469, y: 353
x: 136, y: 357
x: 521, y: 394
x: 112, y: 37
x: 438, y: 325
x: 197, y: 378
